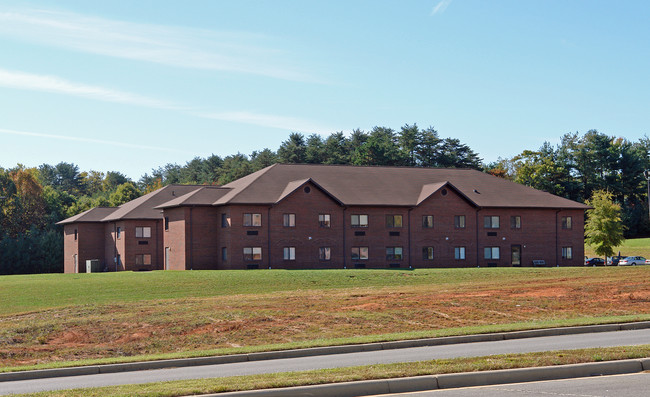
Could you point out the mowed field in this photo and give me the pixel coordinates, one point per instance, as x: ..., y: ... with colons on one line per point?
x: 632, y: 247
x: 73, y: 319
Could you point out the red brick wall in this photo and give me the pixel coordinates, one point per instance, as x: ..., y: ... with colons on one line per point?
x: 174, y: 238
x: 444, y: 236
x: 88, y: 245
x: 239, y: 238
x: 204, y: 223
x: 307, y: 236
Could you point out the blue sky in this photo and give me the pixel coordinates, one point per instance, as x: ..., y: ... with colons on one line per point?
x: 133, y: 85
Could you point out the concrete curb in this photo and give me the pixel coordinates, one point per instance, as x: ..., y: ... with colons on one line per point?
x: 315, y: 351
x: 450, y: 381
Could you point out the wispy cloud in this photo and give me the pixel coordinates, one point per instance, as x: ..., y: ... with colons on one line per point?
x: 240, y: 52
x: 44, y: 83
x: 36, y: 82
x: 268, y: 120
x: 440, y: 7
x: 88, y: 140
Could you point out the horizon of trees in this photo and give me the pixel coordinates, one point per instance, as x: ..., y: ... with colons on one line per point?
x: 33, y: 200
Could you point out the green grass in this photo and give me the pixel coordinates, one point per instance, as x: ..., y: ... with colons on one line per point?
x: 631, y: 247
x: 26, y: 293
x: 379, y: 371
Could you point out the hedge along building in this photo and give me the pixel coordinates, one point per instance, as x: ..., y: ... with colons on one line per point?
x: 319, y: 216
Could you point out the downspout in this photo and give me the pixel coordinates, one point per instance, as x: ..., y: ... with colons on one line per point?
x: 557, y: 259
x: 345, y: 256
x: 409, y: 237
x: 115, y: 245
x: 268, y: 236
x: 191, y: 250
x: 478, y: 248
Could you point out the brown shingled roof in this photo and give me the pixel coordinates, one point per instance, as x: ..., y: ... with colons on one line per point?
x: 92, y: 215
x: 144, y: 207
x: 396, y: 186
x: 205, y: 195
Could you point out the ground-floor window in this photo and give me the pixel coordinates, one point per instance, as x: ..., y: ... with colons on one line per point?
x: 224, y: 253
x: 324, y: 253
x: 393, y: 253
x: 289, y: 253
x: 567, y: 252
x: 359, y: 253
x: 459, y: 253
x: 252, y: 253
x: 491, y: 253
x: 144, y: 259
x: 427, y: 253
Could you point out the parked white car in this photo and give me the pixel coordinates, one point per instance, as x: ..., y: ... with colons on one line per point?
x: 632, y: 261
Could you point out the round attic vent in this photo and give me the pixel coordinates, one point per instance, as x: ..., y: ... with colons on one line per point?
x: 443, y: 192
x: 307, y: 189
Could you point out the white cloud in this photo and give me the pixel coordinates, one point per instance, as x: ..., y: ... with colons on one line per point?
x: 44, y: 83
x: 240, y: 52
x: 440, y: 7
x: 88, y: 140
x: 267, y: 120
x: 35, y: 82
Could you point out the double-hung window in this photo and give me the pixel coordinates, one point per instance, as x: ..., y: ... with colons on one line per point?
x: 459, y: 253
x: 143, y: 232
x: 359, y: 220
x: 566, y: 222
x: 491, y: 253
x: 567, y: 252
x: 289, y: 253
x: 427, y: 221
x: 459, y: 221
x: 515, y: 222
x: 359, y: 253
x: 252, y: 253
x: 252, y: 219
x: 324, y: 220
x: 324, y: 253
x: 393, y: 253
x: 427, y: 253
x: 491, y: 222
x: 393, y: 220
x: 289, y: 220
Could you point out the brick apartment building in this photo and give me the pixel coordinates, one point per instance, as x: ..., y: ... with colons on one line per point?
x: 320, y: 216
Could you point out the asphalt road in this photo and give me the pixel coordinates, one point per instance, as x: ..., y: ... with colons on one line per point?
x: 631, y: 385
x: 547, y: 343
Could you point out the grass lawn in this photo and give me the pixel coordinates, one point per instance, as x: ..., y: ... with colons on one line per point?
x: 63, y: 320
x: 632, y: 247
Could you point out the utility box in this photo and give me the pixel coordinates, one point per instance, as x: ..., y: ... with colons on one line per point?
x: 93, y: 266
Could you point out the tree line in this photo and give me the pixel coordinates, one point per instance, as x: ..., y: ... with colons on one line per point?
x: 32, y: 200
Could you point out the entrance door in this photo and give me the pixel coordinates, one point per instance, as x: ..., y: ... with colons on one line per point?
x: 166, y: 258
x: 75, y: 259
x: 515, y: 255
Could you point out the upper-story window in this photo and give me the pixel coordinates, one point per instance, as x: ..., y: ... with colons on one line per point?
x: 359, y: 220
x: 566, y: 222
x: 142, y: 232
x: 252, y: 219
x: 225, y: 220
x: 459, y: 221
x: 515, y: 222
x: 118, y: 232
x: 393, y: 220
x: 166, y: 223
x: 75, y: 234
x: 427, y: 221
x: 324, y: 220
x: 491, y: 222
x: 289, y: 220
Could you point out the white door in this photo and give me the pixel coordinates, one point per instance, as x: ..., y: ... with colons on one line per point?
x: 76, y: 263
x: 166, y: 258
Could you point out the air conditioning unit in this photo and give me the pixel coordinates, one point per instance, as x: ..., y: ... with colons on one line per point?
x: 93, y: 266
